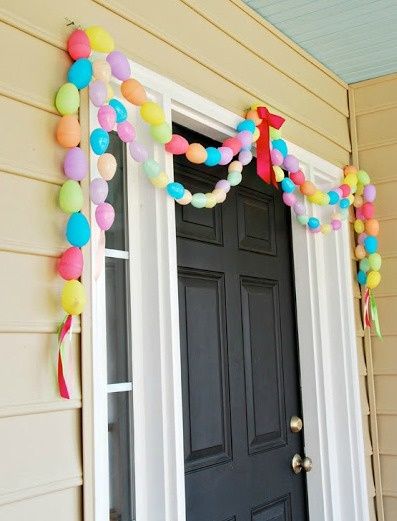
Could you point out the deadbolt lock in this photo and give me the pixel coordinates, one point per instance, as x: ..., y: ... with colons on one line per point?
x: 296, y: 424
x: 298, y: 464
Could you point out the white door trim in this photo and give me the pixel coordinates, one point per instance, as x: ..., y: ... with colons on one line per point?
x: 337, y: 487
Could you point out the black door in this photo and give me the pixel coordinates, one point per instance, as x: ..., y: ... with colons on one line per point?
x: 239, y: 351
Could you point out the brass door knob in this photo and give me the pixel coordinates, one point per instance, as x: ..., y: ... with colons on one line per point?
x: 298, y: 464
x: 296, y: 424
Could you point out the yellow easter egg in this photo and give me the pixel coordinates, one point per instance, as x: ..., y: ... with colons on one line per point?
x: 316, y: 198
x: 255, y: 135
x: 73, y: 297
x: 278, y: 173
x: 358, y: 226
x: 373, y: 279
x: 211, y: 200
x: 350, y: 179
x: 325, y: 229
x: 100, y: 40
x: 358, y: 201
x: 219, y: 194
x: 152, y: 113
x: 160, y: 181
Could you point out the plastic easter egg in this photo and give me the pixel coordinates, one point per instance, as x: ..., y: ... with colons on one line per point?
x: 370, y: 244
x: 175, y: 190
x: 68, y: 133
x: 134, y: 92
x: 101, y: 70
x: 368, y: 210
x: 104, y: 216
x: 358, y: 226
x: 245, y: 138
x: 119, y: 64
x: 299, y: 208
x: 213, y: 156
x: 333, y: 197
x: 80, y: 73
x: 99, y: 141
x: 235, y: 166
x: 211, y: 200
x: 289, y: 198
x: 361, y: 277
x: 126, y: 131
x: 302, y: 219
x: 373, y: 279
x: 363, y: 177
x: 199, y: 200
x: 70, y: 264
x: 73, y: 297
x: 100, y: 40
x: 138, y: 152
x: 233, y: 143
x: 107, y: 117
x: 345, y: 190
x: 307, y: 188
x: 78, y: 230
x: 325, y: 229
x: 375, y: 261
x: 313, y: 222
x: 349, y: 169
x: 361, y: 238
x: 359, y: 252
x: 316, y: 198
x: 71, y: 197
x: 196, y: 153
x: 351, y: 180
x: 234, y: 178
x: 245, y: 157
x: 121, y: 111
x: 297, y: 178
x: 75, y: 164
x: 278, y: 173
x: 186, y: 199
x: 152, y: 113
x: 99, y: 190
x: 372, y: 227
x: 246, y: 124
x: 364, y: 264
x: 336, y: 224
x: 287, y: 185
x: 223, y: 184
x: 226, y: 155
x: 255, y: 135
x: 160, y: 181
x: 219, y: 194
x: 291, y: 163
x: 177, y: 145
x: 280, y: 145
x: 370, y: 193
x: 253, y: 115
x: 107, y: 166
x: 151, y: 168
x: 275, y: 133
x: 161, y: 133
x: 276, y: 157
x: 67, y: 100
x: 78, y: 45
x: 358, y: 201
x: 344, y: 203
x: 98, y: 93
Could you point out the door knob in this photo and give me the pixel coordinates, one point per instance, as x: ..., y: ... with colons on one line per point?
x: 296, y: 424
x: 298, y: 464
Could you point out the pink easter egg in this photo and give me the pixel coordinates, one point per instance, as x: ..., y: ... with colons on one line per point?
x: 245, y: 157
x: 104, y: 215
x: 245, y: 138
x: 291, y: 163
x: 70, y: 264
x: 98, y: 92
x: 138, y: 152
x: 289, y: 198
x: 276, y: 157
x: 75, y: 164
x: 298, y: 177
x: 98, y: 190
x: 223, y: 184
x: 233, y: 143
x: 107, y: 117
x: 119, y: 64
x: 368, y: 210
x: 177, y: 145
x: 345, y: 189
x: 78, y: 45
x: 315, y: 230
x: 226, y: 155
x: 359, y: 213
x: 370, y: 193
x: 336, y: 224
x: 126, y: 131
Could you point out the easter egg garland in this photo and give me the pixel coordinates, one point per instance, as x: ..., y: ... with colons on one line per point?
x: 284, y: 170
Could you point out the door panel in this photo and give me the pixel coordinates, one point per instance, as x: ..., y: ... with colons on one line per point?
x: 239, y: 353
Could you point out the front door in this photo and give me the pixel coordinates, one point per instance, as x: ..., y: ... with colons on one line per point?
x: 239, y: 353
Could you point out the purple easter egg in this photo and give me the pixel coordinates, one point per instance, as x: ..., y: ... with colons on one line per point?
x: 138, y: 152
x: 107, y: 117
x: 245, y: 138
x: 299, y: 208
x: 226, y: 155
x: 104, y: 215
x: 75, y: 164
x: 289, y: 198
x: 336, y: 224
x: 245, y: 156
x: 126, y: 131
x: 370, y: 193
x: 98, y: 190
x: 361, y: 238
x: 119, y: 64
x: 98, y: 92
x: 291, y: 163
x: 224, y: 185
x: 276, y: 157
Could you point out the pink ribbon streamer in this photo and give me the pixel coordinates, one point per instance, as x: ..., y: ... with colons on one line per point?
x: 64, y: 329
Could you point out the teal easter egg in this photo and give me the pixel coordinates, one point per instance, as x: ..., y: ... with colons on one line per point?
x: 71, y: 197
x: 151, y: 168
x: 99, y: 141
x: 78, y: 230
x: 67, y: 100
x: 121, y: 111
x: 80, y: 73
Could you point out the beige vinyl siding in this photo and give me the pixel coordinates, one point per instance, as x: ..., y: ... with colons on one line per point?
x: 374, y: 138
x: 218, y: 48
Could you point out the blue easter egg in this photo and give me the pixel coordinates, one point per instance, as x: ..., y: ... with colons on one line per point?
x: 370, y: 244
x: 287, y: 185
x: 213, y: 156
x: 175, y: 190
x: 280, y: 145
x: 80, y: 73
x: 121, y: 111
x: 246, y: 124
x: 78, y: 230
x: 333, y: 197
x: 361, y: 277
x: 313, y: 223
x: 99, y: 140
x: 344, y: 203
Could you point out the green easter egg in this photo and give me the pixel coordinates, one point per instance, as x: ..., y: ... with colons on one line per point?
x: 199, y: 200
x: 71, y: 197
x: 161, y: 133
x: 375, y: 261
x: 67, y: 100
x: 151, y: 168
x: 363, y: 177
x: 364, y: 265
x: 234, y: 178
x: 302, y: 219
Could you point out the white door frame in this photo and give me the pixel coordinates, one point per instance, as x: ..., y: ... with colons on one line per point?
x: 337, y: 488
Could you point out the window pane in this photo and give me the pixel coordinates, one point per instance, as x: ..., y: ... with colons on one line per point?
x: 121, y: 485
x: 116, y: 237
x: 117, y: 320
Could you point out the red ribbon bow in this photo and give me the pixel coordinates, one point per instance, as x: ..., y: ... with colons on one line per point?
x: 263, y: 164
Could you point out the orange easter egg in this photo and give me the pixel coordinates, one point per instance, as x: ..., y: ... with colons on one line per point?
x: 134, y: 92
x: 68, y: 131
x: 349, y: 169
x: 107, y: 166
x: 252, y: 114
x: 372, y: 227
x: 360, y: 251
x: 196, y: 153
x: 308, y: 188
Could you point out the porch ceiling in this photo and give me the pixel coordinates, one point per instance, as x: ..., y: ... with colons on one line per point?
x: 356, y: 39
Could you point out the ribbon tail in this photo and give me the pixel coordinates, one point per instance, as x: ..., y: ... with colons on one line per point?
x: 100, y: 255
x: 367, y: 321
x: 263, y: 154
x: 63, y: 330
x: 375, y: 316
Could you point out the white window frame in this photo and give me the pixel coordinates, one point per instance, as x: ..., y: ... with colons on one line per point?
x: 337, y: 487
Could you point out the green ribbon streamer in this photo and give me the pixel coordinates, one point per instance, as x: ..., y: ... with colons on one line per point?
x: 375, y: 315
